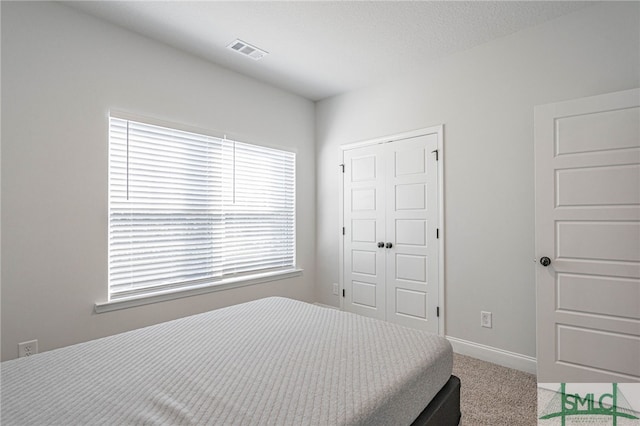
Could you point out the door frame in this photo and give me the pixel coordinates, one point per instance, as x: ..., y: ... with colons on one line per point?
x: 439, y: 131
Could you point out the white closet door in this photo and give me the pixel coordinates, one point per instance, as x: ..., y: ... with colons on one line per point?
x: 364, y: 210
x: 411, y: 226
x: 391, y: 218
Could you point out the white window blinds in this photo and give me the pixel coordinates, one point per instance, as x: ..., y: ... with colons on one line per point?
x: 187, y: 209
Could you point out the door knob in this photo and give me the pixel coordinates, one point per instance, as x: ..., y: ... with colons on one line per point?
x: 389, y: 245
x: 380, y: 244
x: 545, y: 261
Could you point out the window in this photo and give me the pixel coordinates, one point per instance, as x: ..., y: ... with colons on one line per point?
x: 188, y: 210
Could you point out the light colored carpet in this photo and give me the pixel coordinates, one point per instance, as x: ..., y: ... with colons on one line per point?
x: 494, y: 395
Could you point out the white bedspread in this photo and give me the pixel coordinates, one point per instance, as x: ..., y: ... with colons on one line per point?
x: 273, y: 361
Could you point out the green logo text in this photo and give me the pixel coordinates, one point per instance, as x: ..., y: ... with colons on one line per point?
x: 589, y: 404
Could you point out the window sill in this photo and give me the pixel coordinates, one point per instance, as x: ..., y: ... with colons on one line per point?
x: 226, y: 284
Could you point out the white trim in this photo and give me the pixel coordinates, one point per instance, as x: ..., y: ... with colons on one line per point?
x: 495, y: 355
x: 439, y: 131
x: 405, y: 135
x: 340, y: 234
x: 179, y: 293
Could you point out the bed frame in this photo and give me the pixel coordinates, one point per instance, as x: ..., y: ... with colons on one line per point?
x: 444, y: 408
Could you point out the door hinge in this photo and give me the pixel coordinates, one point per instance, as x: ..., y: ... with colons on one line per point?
x: 343, y: 231
x: 436, y: 151
x: 343, y: 292
x: 342, y: 165
x: 437, y: 233
x: 438, y: 311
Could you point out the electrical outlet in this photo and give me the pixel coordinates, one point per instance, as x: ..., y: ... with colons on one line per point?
x: 27, y: 348
x: 485, y: 319
x: 336, y: 289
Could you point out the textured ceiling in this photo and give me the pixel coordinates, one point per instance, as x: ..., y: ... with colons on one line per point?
x: 321, y: 49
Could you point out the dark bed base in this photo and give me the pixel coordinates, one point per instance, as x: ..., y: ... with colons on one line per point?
x: 444, y: 408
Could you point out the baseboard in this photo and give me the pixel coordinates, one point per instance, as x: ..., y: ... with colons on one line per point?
x: 494, y: 355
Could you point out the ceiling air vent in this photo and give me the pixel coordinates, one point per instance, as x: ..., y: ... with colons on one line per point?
x: 247, y: 50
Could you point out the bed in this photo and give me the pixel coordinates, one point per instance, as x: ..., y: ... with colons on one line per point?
x: 273, y: 361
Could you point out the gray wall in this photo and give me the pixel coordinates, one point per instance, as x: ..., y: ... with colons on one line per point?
x: 485, y: 99
x: 61, y: 73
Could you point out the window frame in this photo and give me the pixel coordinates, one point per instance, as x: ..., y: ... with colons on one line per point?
x: 157, y: 293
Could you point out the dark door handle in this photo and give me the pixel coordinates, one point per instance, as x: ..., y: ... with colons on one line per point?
x: 380, y: 244
x: 545, y: 261
x: 388, y: 245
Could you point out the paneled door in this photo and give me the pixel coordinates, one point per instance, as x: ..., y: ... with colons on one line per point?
x: 411, y: 229
x: 587, y: 154
x: 391, y: 229
x: 364, y: 239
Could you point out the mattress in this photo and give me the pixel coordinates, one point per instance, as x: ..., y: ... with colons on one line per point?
x: 273, y: 361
